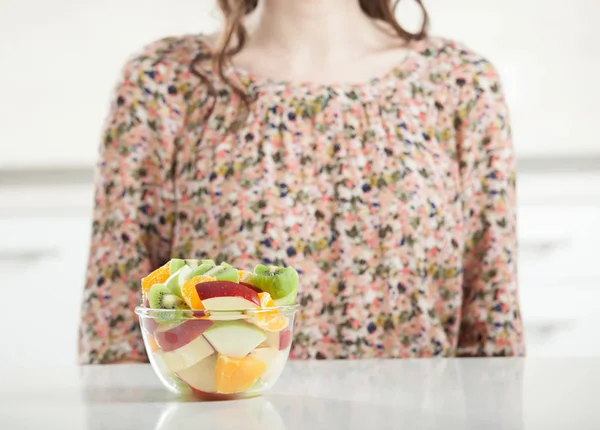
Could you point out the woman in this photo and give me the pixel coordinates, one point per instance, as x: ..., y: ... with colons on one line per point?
x: 377, y: 162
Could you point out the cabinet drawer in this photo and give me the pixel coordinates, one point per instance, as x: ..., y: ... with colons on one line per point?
x: 558, y: 245
x: 42, y: 260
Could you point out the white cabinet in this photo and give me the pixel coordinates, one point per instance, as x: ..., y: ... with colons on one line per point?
x: 559, y: 264
x: 42, y: 264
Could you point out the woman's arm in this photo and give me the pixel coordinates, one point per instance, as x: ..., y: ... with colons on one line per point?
x: 134, y: 210
x: 491, y: 321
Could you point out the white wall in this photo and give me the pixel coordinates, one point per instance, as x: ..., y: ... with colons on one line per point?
x: 549, y: 58
x: 60, y: 59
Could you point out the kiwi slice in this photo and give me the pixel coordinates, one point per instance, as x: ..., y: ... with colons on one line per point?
x: 161, y: 297
x: 279, y: 282
x: 171, y: 317
x: 192, y: 263
x: 224, y: 272
x: 176, y: 280
x: 290, y: 299
x: 175, y: 264
x: 202, y: 267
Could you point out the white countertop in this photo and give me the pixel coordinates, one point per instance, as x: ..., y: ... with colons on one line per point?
x: 486, y: 394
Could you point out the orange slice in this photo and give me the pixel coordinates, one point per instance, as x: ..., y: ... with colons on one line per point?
x: 234, y: 375
x: 189, y: 293
x: 152, y: 343
x: 275, y: 324
x: 270, y: 320
x: 246, y: 276
x: 266, y: 301
x: 159, y: 276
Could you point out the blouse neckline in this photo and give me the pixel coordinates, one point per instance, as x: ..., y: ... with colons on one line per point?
x: 402, y: 69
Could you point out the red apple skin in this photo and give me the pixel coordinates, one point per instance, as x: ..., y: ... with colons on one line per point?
x: 199, y: 314
x: 209, y: 290
x: 285, y: 339
x: 201, y: 395
x: 181, y: 335
x: 149, y: 324
x: 252, y: 287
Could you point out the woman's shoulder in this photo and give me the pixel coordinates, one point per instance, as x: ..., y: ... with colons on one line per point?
x: 459, y: 69
x: 168, y: 55
x: 453, y: 56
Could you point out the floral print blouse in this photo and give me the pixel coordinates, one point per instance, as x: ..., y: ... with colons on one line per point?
x: 394, y: 199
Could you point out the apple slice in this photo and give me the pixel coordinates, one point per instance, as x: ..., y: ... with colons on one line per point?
x: 169, y: 378
x: 285, y: 339
x: 226, y: 295
x: 252, y: 287
x: 149, y: 324
x: 177, y: 335
x: 201, y: 376
x: 211, y: 397
x: 177, y: 279
x: 274, y: 359
x: 235, y: 338
x: 280, y: 340
x: 187, y: 356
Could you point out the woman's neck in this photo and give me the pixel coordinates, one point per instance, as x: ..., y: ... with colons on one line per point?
x: 324, y: 41
x: 316, y: 30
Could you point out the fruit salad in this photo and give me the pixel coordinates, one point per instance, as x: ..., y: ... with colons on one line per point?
x: 215, y: 331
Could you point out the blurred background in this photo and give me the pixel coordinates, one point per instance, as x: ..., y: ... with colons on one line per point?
x: 60, y: 59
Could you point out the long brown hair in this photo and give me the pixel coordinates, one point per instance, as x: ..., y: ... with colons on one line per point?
x: 234, y: 35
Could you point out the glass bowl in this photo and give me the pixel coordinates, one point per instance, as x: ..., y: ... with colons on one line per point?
x: 214, y: 355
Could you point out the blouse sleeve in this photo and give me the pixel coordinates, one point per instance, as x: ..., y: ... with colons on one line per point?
x: 133, y: 214
x: 491, y: 321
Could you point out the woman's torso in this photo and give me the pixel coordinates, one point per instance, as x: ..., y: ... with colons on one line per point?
x: 356, y: 186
